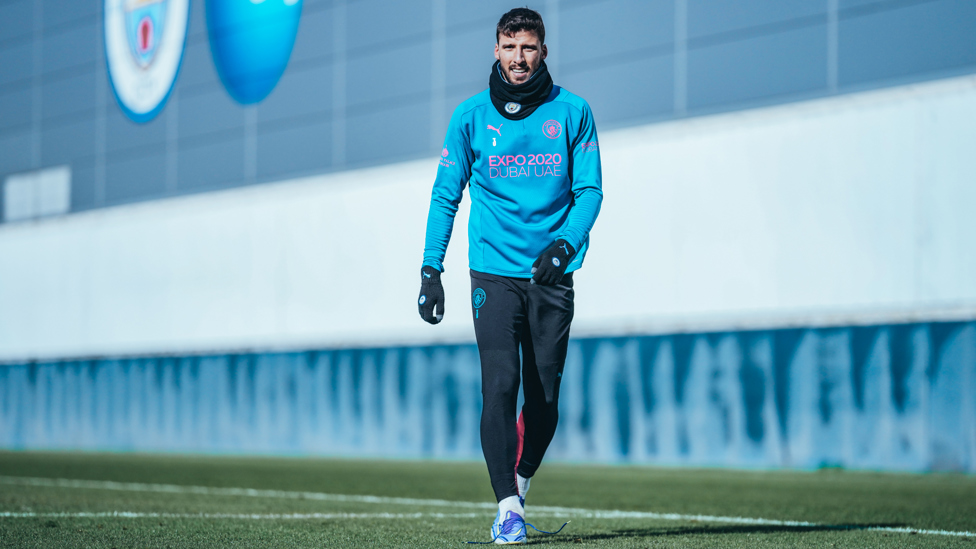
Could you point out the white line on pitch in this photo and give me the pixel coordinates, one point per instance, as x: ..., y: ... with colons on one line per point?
x: 240, y: 516
x: 536, y: 509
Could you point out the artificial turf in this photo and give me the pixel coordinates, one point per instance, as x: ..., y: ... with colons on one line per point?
x: 840, y: 503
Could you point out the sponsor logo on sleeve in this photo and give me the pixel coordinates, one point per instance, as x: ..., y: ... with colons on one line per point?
x: 445, y: 161
x: 590, y: 146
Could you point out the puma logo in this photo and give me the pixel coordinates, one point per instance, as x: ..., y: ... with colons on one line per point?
x: 498, y: 129
x: 565, y: 248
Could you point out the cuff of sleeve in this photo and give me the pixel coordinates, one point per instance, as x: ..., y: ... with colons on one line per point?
x: 434, y: 264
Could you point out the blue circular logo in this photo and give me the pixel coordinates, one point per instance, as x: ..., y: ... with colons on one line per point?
x: 251, y: 42
x: 555, y: 261
x: 478, y: 298
x: 423, y: 299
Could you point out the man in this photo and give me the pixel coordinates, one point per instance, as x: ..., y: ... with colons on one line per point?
x: 528, y: 149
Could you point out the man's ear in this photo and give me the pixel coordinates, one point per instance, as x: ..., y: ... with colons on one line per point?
x: 545, y: 52
x: 496, y: 51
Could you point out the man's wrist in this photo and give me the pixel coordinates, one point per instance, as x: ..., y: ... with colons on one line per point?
x: 565, y: 247
x: 429, y: 275
x: 573, y: 247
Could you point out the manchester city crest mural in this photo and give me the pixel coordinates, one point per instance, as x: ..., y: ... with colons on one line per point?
x: 251, y: 42
x: 144, y: 44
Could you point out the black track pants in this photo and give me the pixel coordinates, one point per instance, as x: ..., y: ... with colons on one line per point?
x: 512, y: 314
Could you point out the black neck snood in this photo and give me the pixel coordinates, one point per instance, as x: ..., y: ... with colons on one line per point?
x: 517, y: 102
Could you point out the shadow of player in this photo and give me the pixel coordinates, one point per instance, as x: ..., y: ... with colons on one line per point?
x: 569, y: 537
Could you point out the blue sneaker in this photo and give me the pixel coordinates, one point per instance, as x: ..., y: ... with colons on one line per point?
x: 509, y: 531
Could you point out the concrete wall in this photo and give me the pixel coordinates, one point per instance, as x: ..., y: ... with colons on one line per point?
x: 847, y: 210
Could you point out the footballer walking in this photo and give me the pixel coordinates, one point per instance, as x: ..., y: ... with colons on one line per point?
x: 528, y: 151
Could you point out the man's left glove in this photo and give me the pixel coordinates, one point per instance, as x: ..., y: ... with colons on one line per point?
x: 550, y: 267
x: 431, y: 295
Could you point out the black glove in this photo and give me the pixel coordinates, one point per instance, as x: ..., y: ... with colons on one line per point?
x: 431, y: 295
x: 551, y: 265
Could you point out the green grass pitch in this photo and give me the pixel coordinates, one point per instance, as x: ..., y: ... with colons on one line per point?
x: 133, y: 500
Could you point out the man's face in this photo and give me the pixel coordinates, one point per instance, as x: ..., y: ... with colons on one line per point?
x: 520, y: 56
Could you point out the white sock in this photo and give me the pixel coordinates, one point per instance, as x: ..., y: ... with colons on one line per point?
x: 511, y: 503
x: 523, y: 485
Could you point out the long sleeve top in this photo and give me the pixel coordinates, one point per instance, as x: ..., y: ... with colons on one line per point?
x: 532, y: 181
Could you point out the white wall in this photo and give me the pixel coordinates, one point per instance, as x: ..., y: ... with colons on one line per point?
x: 849, y: 209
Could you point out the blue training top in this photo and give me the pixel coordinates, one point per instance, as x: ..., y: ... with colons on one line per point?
x: 532, y: 181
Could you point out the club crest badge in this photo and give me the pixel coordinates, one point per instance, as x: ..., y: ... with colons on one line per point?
x: 144, y: 44
x: 552, y: 129
x: 512, y: 107
x: 478, y: 298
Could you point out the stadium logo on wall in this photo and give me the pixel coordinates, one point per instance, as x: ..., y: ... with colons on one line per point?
x: 552, y: 129
x: 144, y: 43
x: 251, y: 42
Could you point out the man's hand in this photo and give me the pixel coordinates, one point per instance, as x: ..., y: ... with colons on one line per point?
x: 550, y: 267
x: 431, y: 295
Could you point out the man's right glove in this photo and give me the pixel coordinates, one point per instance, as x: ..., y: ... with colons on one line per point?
x: 431, y: 302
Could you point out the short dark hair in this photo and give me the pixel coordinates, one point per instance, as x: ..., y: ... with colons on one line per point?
x: 521, y: 19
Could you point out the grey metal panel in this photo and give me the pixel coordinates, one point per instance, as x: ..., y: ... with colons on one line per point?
x: 208, y: 112
x: 605, y: 30
x: 845, y: 4
x: 122, y: 133
x: 369, y: 139
x: 197, y: 67
x: 15, y: 109
x: 68, y: 96
x: 212, y: 164
x: 132, y: 178
x: 469, y: 57
x: 390, y: 74
x: 60, y: 12
x: 451, y: 102
x: 913, y: 40
x: 63, y: 143
x: 295, y: 150
x: 641, y: 89
x: 708, y: 17
x: 198, y: 20
x: 299, y: 92
x: 70, y: 48
x: 758, y: 68
x: 82, y: 185
x: 15, y: 153
x: 314, y: 40
x: 372, y: 22
x: 483, y: 13
x: 17, y: 60
x: 16, y: 20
